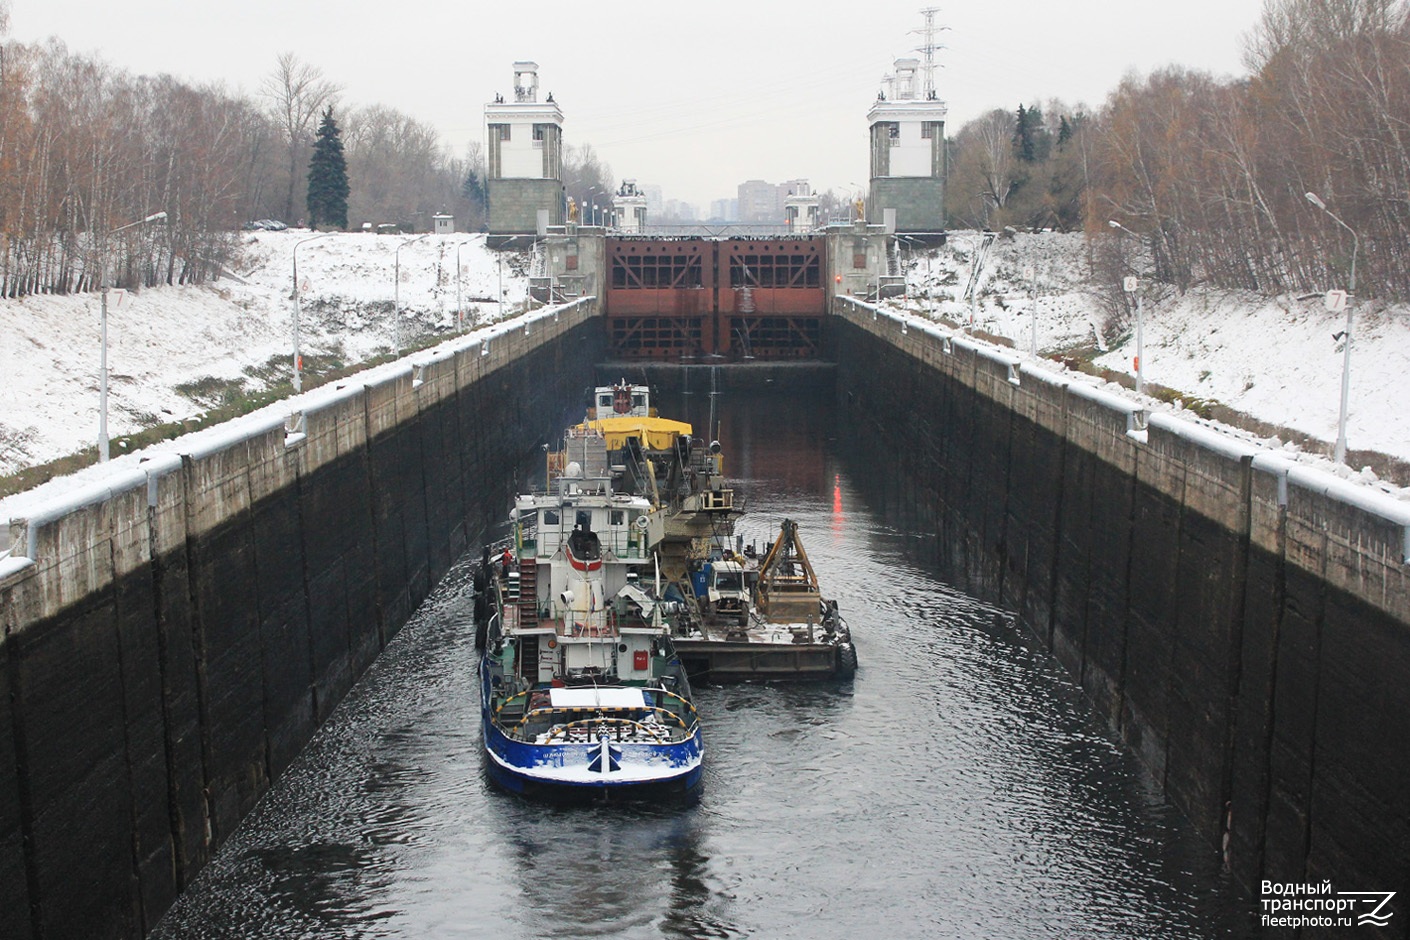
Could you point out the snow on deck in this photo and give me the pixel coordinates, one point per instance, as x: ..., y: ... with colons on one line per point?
x: 596, y: 698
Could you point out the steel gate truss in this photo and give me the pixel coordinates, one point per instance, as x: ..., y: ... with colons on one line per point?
x: 655, y: 337
x: 674, y: 298
x: 764, y: 337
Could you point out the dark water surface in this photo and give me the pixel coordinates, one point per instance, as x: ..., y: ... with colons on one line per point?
x: 959, y: 786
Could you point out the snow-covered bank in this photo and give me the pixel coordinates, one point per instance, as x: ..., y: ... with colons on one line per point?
x: 229, y: 331
x: 1273, y: 358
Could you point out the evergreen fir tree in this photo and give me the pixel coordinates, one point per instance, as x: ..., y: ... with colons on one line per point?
x: 1031, y: 142
x: 474, y: 191
x: 328, y: 177
x: 1023, y: 136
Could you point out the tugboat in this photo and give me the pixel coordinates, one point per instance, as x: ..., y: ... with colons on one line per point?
x: 582, y: 691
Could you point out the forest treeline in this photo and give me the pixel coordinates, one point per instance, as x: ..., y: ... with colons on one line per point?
x: 1211, y: 174
x: 86, y: 149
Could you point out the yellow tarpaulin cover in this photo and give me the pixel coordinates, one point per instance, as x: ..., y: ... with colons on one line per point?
x: 655, y: 433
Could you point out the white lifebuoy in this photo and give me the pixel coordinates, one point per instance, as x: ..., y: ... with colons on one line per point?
x: 642, y: 522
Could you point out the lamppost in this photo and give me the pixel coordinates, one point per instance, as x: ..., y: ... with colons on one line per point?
x: 459, y: 312
x: 1339, y: 452
x: 1132, y: 285
x: 103, y: 355
x: 852, y: 202
x: 1032, y: 277
x: 298, y: 360
x: 396, y: 295
x: 592, y: 219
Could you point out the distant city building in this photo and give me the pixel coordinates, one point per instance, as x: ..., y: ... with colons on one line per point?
x: 764, y: 203
x: 907, y: 123
x: 524, y: 181
x: 724, y: 210
x: 677, y: 211
x: 758, y: 202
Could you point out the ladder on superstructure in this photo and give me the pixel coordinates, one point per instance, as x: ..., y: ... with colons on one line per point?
x: 528, y: 601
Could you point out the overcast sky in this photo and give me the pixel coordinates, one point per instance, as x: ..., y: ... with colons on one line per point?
x: 693, y: 97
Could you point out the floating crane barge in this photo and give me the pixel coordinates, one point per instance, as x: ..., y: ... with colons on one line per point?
x: 769, y: 622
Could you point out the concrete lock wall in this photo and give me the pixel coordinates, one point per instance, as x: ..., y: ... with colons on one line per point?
x: 1243, y: 621
x: 174, y: 635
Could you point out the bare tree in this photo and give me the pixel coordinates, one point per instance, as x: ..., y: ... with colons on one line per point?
x: 1307, y: 27
x: 584, y: 173
x: 982, y: 173
x: 398, y: 170
x: 297, y: 93
x: 1213, y: 175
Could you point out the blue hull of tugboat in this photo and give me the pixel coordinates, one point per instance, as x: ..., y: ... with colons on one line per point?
x: 561, y: 771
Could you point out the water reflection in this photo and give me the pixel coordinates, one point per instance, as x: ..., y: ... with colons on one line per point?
x: 612, y: 871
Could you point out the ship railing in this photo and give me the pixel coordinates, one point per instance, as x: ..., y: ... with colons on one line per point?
x: 584, y: 486
x: 518, y: 710
x: 662, y: 724
x: 625, y: 545
x: 630, y: 620
x: 582, y: 431
x: 568, y: 622
x: 636, y: 621
x: 681, y: 708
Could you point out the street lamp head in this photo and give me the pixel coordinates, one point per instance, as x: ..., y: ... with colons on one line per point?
x: 1316, y: 201
x: 154, y: 217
